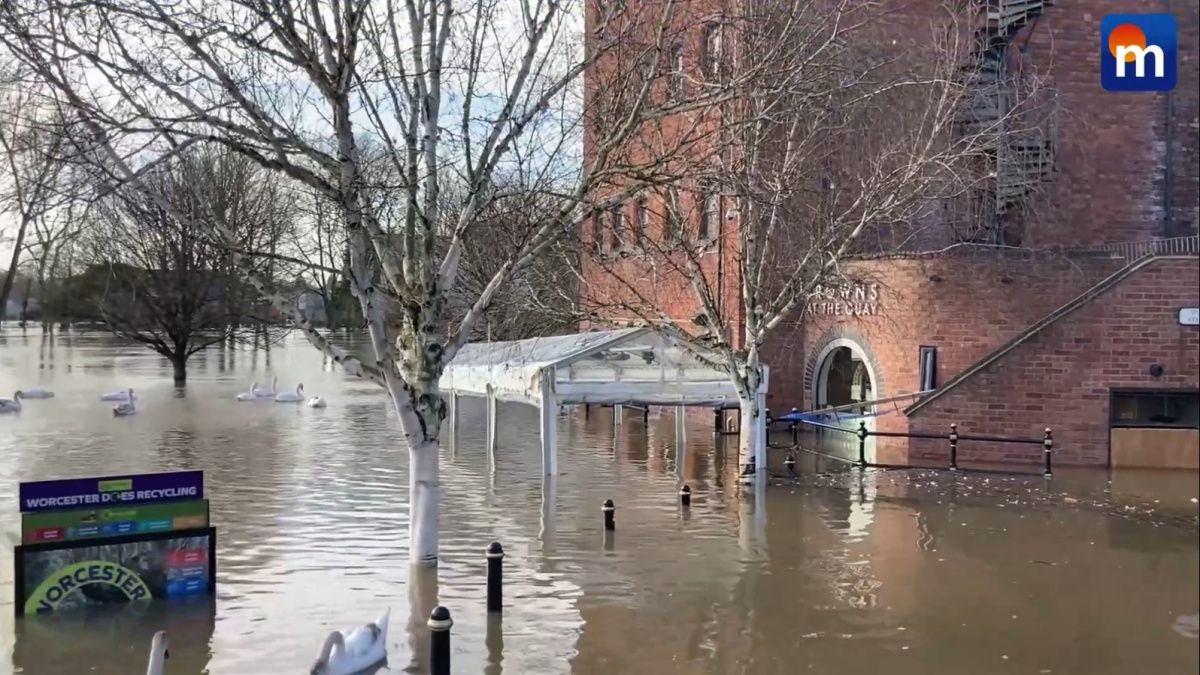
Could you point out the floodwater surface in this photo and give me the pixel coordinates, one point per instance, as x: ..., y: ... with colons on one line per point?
x: 905, y: 572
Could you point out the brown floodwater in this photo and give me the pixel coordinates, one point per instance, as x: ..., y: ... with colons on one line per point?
x: 905, y: 572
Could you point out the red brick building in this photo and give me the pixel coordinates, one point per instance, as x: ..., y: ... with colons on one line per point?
x: 1078, y: 315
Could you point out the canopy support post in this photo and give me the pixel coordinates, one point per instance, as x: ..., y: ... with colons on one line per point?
x: 548, y: 407
x: 491, y: 423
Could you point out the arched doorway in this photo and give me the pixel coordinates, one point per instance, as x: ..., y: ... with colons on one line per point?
x: 843, y: 377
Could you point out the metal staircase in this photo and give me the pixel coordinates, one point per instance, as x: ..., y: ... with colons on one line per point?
x: 1013, y: 125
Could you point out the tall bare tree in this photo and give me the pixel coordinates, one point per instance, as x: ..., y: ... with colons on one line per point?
x: 447, y: 90
x: 845, y: 144
x: 167, y: 283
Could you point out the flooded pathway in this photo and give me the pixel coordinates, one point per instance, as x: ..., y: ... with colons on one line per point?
x: 905, y: 572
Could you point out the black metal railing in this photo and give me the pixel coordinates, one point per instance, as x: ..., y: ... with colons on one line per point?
x: 953, y: 438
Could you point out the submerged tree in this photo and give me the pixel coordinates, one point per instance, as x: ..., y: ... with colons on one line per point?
x: 166, y: 282
x: 441, y: 91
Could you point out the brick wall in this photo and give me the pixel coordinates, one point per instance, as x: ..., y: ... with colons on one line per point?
x: 1062, y: 376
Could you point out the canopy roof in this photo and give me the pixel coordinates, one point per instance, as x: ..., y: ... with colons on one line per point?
x: 629, y: 365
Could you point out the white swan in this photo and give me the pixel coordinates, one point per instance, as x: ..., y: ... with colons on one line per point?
x: 11, y: 404
x: 366, y: 646
x: 120, y: 395
x: 291, y: 396
x: 159, y: 652
x: 263, y: 392
x: 36, y: 392
x: 315, y: 402
x: 125, y: 408
x: 249, y: 395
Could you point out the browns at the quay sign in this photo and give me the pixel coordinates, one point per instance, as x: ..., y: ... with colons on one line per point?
x: 845, y: 300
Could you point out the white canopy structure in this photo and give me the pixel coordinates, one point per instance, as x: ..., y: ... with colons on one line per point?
x: 615, y: 367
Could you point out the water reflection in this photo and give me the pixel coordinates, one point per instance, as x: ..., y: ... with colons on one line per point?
x: 916, y: 572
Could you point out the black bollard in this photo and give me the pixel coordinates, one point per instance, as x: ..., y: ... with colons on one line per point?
x: 954, y: 447
x: 439, y: 641
x: 685, y: 496
x: 1048, y: 446
x: 789, y: 464
x: 862, y: 444
x: 495, y: 582
x: 795, y: 427
x: 610, y: 515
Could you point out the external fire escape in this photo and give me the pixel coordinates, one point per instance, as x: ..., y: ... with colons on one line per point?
x: 1009, y: 118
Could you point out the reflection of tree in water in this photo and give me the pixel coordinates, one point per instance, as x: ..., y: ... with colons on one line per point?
x: 146, y: 558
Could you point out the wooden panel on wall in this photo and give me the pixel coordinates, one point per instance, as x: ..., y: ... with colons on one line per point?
x: 1156, y: 448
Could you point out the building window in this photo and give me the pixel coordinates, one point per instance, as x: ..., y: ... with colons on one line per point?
x: 597, y: 233
x: 1177, y: 409
x: 927, y: 367
x: 673, y: 220
x: 711, y: 57
x: 616, y: 229
x: 709, y: 217
x: 675, y: 73
x: 641, y: 218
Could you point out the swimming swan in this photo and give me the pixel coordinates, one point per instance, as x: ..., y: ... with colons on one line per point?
x: 11, y: 404
x: 263, y: 392
x: 249, y: 395
x: 364, y: 647
x: 125, y: 408
x: 315, y: 402
x: 36, y: 392
x: 159, y: 652
x: 122, y: 395
x: 291, y: 396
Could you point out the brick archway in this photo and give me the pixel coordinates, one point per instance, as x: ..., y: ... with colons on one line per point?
x: 842, y: 336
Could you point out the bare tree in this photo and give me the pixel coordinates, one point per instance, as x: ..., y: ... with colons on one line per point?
x: 33, y: 142
x: 167, y: 283
x: 847, y: 141
x: 449, y: 91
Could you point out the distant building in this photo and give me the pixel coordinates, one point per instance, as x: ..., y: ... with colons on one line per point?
x: 1077, y: 307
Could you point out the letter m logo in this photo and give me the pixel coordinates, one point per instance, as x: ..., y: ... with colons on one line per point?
x: 1138, y: 52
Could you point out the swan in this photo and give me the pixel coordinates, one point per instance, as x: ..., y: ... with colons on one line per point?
x: 36, y: 392
x: 315, y: 402
x: 291, y: 396
x: 263, y: 392
x: 11, y: 404
x: 364, y: 647
x: 249, y: 395
x: 159, y: 652
x: 126, y: 407
x: 120, y: 395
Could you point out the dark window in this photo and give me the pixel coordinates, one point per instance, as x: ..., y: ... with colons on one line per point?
x: 709, y: 217
x: 616, y: 229
x: 641, y: 218
x: 675, y: 73
x: 927, y: 367
x: 1180, y: 409
x: 712, y: 51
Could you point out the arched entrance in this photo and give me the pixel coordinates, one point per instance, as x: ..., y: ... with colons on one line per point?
x: 844, y: 376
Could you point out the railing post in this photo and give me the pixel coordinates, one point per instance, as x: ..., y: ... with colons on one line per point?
x: 717, y: 422
x: 1048, y: 447
x: 795, y: 427
x: 954, y: 447
x: 862, y: 444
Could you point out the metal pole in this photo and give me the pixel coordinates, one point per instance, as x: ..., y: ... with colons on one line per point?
x: 495, y: 582
x: 439, y: 641
x: 610, y: 515
x: 954, y: 447
x: 862, y: 444
x: 1048, y: 446
x: 685, y: 496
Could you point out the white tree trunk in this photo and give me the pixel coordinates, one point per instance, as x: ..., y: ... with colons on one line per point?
x: 424, y: 489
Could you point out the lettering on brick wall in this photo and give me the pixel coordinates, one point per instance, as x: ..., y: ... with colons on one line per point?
x: 845, y: 300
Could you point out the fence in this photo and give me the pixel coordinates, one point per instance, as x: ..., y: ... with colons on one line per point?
x: 953, y: 438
